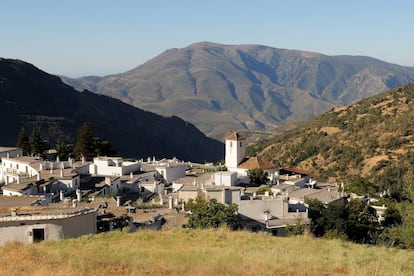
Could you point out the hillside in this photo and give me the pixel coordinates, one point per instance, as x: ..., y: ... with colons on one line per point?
x: 234, y: 87
x: 372, y: 138
x: 32, y: 98
x: 202, y: 252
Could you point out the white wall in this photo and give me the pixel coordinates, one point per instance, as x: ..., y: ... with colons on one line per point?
x: 225, y: 178
x: 24, y: 233
x: 235, y: 152
x: 171, y: 173
x: 112, y: 166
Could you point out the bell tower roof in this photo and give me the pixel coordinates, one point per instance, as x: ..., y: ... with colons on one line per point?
x: 234, y: 136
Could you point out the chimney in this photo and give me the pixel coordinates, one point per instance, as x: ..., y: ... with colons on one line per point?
x: 170, y: 202
x: 18, y: 179
x: 83, y: 159
x: 74, y: 203
x: 161, y: 200
x: 57, y: 159
x: 118, y: 201
x: 51, y: 168
x: 78, y: 195
x: 131, y: 175
x: 182, y: 206
x: 61, y: 195
x: 38, y: 176
x: 61, y: 172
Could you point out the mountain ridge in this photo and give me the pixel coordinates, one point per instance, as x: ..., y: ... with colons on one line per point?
x: 252, y: 87
x: 33, y: 98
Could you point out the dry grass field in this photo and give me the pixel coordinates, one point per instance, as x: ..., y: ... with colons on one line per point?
x: 201, y: 252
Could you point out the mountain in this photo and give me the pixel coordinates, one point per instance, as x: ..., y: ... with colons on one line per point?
x: 31, y: 98
x: 373, y: 138
x: 231, y: 87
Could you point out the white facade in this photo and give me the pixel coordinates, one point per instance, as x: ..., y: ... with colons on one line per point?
x: 16, y: 169
x: 171, y: 173
x: 225, y: 178
x: 112, y: 166
x: 235, y: 150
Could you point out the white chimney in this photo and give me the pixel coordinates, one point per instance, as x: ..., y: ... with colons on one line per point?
x: 61, y: 195
x: 131, y: 175
x: 51, y: 168
x: 61, y: 172
x: 118, y: 201
x: 38, y: 176
x: 78, y: 195
x: 170, y: 202
x: 57, y: 158
x: 182, y: 206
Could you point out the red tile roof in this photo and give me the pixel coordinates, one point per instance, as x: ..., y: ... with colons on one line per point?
x: 254, y: 163
x: 296, y: 170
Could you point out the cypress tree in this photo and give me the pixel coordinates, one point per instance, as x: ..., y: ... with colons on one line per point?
x: 23, y: 141
x: 85, y: 142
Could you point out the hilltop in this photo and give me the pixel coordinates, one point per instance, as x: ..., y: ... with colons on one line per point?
x: 246, y: 87
x: 202, y: 252
x: 32, y: 98
x: 372, y: 138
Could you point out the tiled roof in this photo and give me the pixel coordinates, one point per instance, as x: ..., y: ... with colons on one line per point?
x: 235, y: 137
x: 254, y: 163
x: 296, y: 170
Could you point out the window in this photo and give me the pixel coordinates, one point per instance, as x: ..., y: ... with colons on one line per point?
x: 38, y: 235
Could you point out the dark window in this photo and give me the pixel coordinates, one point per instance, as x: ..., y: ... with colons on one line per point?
x: 38, y: 235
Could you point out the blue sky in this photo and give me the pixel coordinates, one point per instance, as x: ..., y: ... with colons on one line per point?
x: 99, y: 37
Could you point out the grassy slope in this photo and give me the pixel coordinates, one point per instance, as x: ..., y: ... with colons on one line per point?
x: 197, y: 252
x: 373, y: 138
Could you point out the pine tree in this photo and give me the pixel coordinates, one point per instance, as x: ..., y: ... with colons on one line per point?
x: 36, y: 143
x: 63, y: 150
x: 23, y: 142
x: 85, y: 142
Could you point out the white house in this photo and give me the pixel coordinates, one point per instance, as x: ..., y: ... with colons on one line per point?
x: 225, y: 178
x: 26, y: 175
x: 171, y: 172
x: 112, y: 166
x: 36, y: 224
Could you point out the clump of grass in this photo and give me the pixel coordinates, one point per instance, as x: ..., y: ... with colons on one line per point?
x: 202, y: 252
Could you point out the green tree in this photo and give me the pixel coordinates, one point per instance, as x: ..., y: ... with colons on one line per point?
x: 102, y: 147
x: 211, y: 214
x: 23, y: 141
x: 315, y: 208
x: 64, y: 151
x: 84, y: 146
x: 257, y: 176
x: 360, y: 186
x: 392, y: 217
x: 361, y: 225
x: 37, y: 144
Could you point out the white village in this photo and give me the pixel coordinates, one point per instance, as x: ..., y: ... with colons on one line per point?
x: 49, y: 200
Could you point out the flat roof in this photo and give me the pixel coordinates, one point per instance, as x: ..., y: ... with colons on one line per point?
x: 6, y: 149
